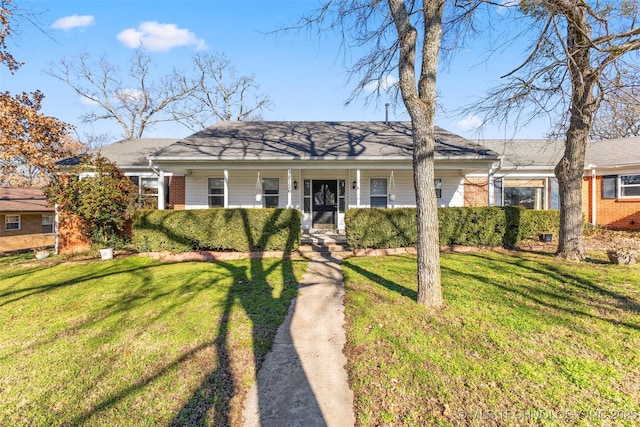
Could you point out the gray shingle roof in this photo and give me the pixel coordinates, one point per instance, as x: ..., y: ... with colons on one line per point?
x: 134, y: 152
x: 14, y: 199
x: 313, y: 140
x: 545, y: 154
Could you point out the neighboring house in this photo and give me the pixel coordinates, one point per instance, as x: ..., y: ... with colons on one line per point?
x: 320, y: 168
x: 611, y: 183
x: 26, y: 219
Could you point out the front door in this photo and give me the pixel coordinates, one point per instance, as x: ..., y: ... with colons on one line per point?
x: 325, y: 204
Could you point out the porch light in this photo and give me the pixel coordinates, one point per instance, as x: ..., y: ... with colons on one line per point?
x: 354, y: 185
x: 295, y: 185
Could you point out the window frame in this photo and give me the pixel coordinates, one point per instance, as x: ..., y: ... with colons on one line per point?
x: 216, y: 195
x: 621, y: 187
x: 437, y: 183
x: 7, y: 222
x: 270, y: 194
x: 47, y: 224
x: 379, y: 196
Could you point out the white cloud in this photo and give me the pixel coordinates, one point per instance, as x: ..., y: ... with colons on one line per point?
x: 74, y: 21
x: 155, y: 36
x: 471, y: 122
x: 130, y: 95
x: 88, y: 102
x: 384, y: 84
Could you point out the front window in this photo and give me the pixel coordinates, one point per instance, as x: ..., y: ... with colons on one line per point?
x: 47, y: 223
x: 12, y: 222
x: 438, y: 185
x: 378, y: 193
x: 270, y: 192
x: 528, y: 193
x: 216, y: 192
x: 610, y: 187
x: 630, y: 186
x: 149, y: 192
x: 307, y: 196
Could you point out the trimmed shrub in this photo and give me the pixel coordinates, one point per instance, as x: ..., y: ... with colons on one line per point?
x: 469, y: 226
x: 242, y: 230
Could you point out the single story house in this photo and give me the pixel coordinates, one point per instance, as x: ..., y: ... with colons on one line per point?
x: 325, y: 168
x: 26, y: 219
x: 320, y: 168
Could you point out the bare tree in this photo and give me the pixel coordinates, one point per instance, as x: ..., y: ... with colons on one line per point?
x: 403, y: 37
x: 137, y: 104
x: 618, y: 116
x: 578, y: 52
x: 139, y: 100
x: 220, y: 94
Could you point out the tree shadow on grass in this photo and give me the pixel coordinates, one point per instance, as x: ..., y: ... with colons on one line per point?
x: 213, y: 401
x: 570, y: 299
x: 389, y: 284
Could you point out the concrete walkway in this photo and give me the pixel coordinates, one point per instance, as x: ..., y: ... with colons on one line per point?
x: 303, y: 381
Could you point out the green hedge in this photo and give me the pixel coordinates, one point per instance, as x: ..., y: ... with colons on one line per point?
x: 473, y: 226
x: 243, y: 230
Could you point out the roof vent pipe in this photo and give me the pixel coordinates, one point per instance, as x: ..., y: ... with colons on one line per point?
x: 386, y: 112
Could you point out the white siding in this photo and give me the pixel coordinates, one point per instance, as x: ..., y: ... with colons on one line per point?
x: 452, y: 188
x: 243, y: 186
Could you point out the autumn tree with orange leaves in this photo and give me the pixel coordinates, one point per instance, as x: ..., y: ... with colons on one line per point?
x: 30, y: 142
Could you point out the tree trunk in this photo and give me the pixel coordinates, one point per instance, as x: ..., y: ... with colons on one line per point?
x: 429, y: 287
x: 421, y: 105
x: 570, y: 169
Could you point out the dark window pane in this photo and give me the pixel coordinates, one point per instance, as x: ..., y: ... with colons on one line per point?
x: 378, y: 201
x: 134, y: 179
x: 307, y: 187
x: 378, y: 187
x: 438, y: 185
x: 609, y: 190
x: 341, y: 204
x: 631, y: 191
x: 270, y: 201
x: 216, y: 201
x: 47, y: 228
x: 270, y: 185
x: 630, y: 179
x: 307, y: 204
x: 216, y: 186
x: 341, y: 186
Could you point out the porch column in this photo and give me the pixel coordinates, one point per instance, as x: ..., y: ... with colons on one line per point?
x: 161, y: 195
x: 226, y: 188
x: 289, y: 188
x: 593, y: 197
x: 491, y: 191
x: 357, y: 188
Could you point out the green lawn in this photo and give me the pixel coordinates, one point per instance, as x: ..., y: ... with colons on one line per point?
x: 523, y: 339
x: 134, y: 342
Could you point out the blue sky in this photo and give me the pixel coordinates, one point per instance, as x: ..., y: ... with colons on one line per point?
x: 304, y: 75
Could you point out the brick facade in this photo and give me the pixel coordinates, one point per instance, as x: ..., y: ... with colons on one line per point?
x: 30, y: 223
x: 613, y: 213
x: 70, y: 237
x: 177, y: 194
x: 29, y: 235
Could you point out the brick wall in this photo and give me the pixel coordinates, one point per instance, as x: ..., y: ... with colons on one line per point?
x: 29, y: 224
x: 177, y: 196
x: 476, y: 191
x: 70, y: 237
x: 614, y: 213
